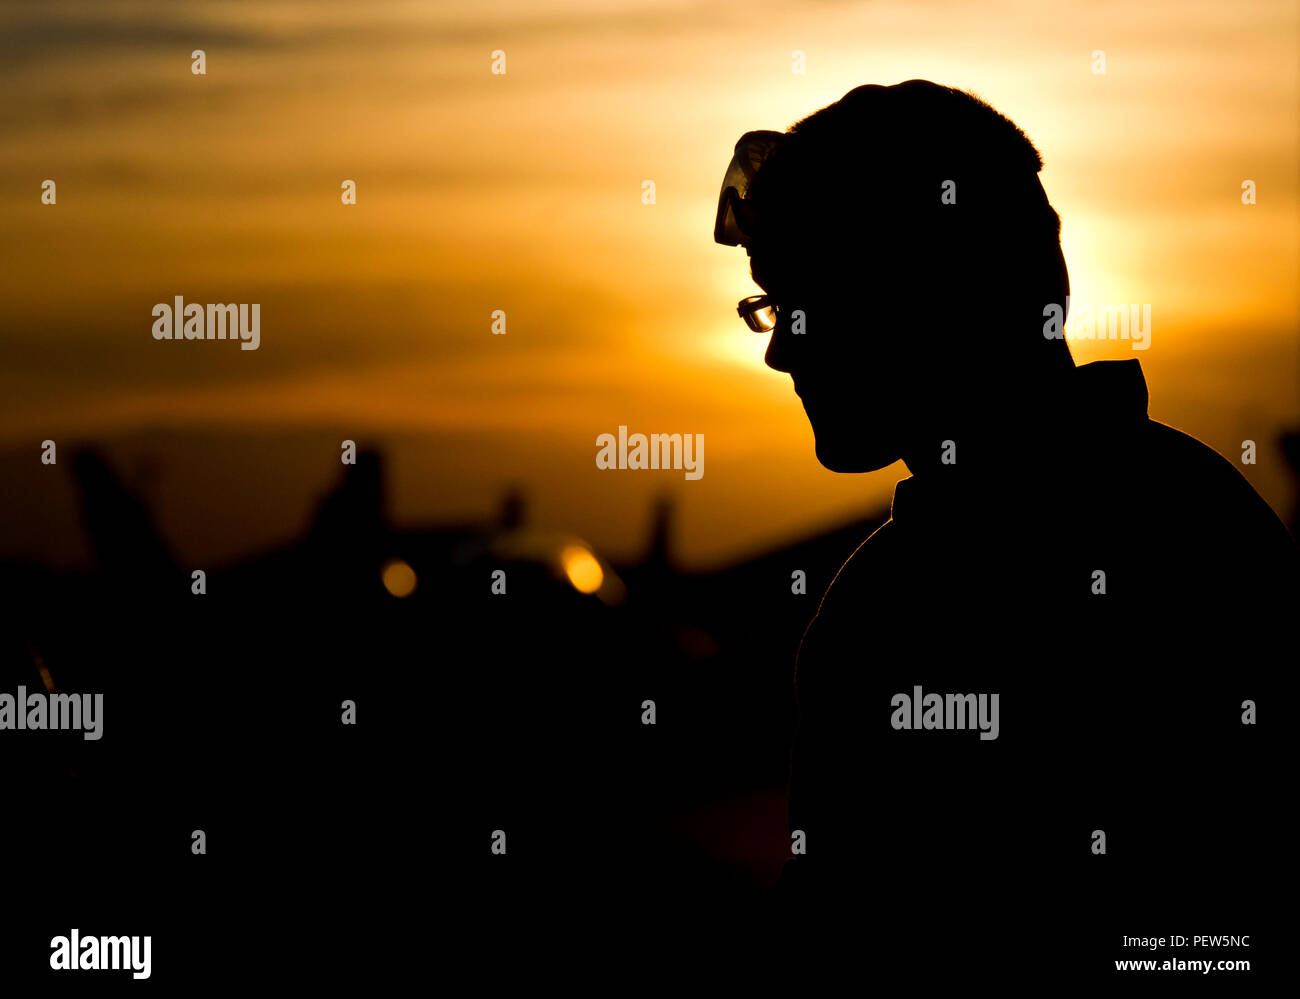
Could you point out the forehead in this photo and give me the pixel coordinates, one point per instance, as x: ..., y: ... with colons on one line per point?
x: 768, y: 266
x: 777, y: 270
x: 824, y: 263
x: 760, y: 267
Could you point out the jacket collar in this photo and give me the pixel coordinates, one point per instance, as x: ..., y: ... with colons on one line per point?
x: 1100, y: 398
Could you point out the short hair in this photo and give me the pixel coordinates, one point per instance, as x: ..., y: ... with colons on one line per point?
x: 938, y: 169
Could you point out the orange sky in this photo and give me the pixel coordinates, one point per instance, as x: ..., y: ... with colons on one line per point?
x: 523, y: 192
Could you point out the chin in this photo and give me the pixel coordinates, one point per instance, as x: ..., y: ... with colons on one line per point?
x: 852, y: 456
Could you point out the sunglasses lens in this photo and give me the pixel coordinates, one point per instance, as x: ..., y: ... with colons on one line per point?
x: 759, y: 316
x: 734, y: 223
x: 763, y: 320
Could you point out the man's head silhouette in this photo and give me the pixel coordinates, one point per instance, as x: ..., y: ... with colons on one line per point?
x: 908, y: 249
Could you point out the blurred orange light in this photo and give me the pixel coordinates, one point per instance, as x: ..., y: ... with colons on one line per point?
x: 583, y: 570
x: 399, y: 578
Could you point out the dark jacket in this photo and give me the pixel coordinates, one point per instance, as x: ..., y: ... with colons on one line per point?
x: 1119, y: 711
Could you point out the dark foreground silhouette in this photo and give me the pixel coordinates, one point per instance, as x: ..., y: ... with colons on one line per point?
x: 1118, y: 584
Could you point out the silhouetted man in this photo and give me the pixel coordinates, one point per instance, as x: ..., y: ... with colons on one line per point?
x: 1118, y: 585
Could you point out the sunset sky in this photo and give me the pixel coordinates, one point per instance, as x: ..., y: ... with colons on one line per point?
x: 522, y: 192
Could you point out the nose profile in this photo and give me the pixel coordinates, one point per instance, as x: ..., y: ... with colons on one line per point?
x: 778, y: 352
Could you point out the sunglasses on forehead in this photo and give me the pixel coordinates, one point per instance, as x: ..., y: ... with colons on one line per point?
x: 735, y: 223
